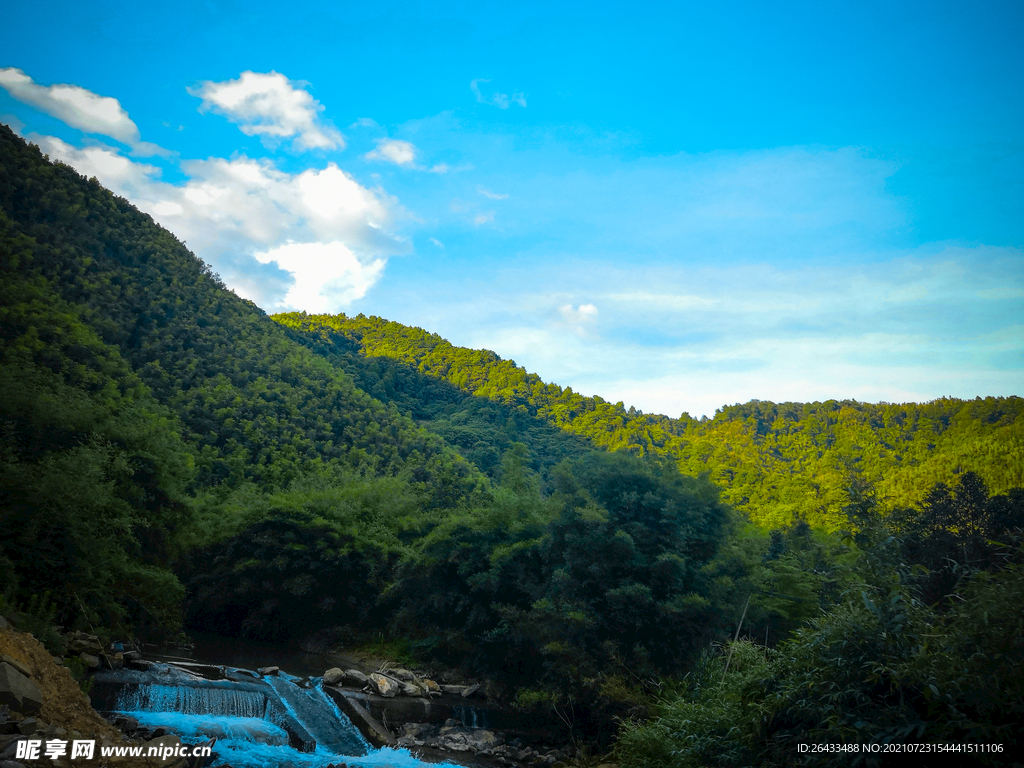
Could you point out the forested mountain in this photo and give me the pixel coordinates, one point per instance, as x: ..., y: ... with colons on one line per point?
x: 287, y: 498
x: 776, y: 462
x: 171, y: 457
x: 128, y: 367
x: 482, y: 428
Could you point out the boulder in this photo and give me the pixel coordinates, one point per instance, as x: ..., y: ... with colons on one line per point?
x: 467, y: 740
x: 385, y: 686
x: 355, y: 677
x: 411, y: 689
x: 92, y: 662
x: 113, y: 660
x: 264, y: 671
x: 18, y: 691
x: 333, y: 676
x: 471, y: 690
x: 126, y: 724
x: 16, y: 664
x: 433, y: 689
x: 454, y: 690
x: 418, y: 730
x: 81, y: 641
x: 402, y: 674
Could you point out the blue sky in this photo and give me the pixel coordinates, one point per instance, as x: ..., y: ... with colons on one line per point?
x: 676, y: 205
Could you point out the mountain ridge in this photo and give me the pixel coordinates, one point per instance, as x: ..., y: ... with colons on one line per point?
x: 749, y: 450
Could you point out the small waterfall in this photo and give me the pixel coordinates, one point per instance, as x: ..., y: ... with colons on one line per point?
x: 224, y: 701
x: 470, y: 716
x: 352, y: 732
x: 258, y: 722
x: 195, y: 728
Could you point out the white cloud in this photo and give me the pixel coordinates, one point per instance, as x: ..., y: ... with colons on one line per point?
x: 939, y: 320
x: 580, y: 314
x: 79, y: 108
x: 499, y: 100
x: 126, y: 177
x: 393, y: 151
x: 327, y: 275
x: 269, y: 105
x: 330, y: 235
x: 484, y: 217
x: 404, y: 153
x: 437, y: 242
x: 580, y: 318
x: 492, y: 195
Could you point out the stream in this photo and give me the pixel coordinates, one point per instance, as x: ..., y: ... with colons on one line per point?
x: 259, y: 722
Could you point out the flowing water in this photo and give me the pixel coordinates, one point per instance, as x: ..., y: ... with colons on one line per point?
x: 269, y: 722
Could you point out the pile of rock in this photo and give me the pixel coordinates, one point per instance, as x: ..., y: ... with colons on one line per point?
x: 395, y: 682
x: 41, y: 702
x: 20, y: 700
x: 137, y: 732
x: 90, y: 651
x: 454, y: 737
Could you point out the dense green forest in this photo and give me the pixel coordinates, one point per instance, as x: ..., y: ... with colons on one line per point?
x: 173, y: 458
x: 776, y: 462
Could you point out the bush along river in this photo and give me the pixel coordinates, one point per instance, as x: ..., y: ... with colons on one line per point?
x: 270, y: 718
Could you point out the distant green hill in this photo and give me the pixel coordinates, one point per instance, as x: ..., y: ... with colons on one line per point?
x: 774, y: 461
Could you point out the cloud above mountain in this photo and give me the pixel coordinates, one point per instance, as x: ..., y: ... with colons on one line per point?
x: 78, y: 108
x: 269, y: 105
x: 313, y: 239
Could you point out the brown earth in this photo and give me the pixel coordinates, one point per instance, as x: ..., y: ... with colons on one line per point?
x: 66, y: 706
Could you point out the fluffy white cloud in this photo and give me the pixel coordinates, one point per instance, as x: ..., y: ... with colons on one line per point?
x: 127, y: 177
x: 496, y: 99
x: 580, y: 314
x: 393, y: 151
x: 315, y: 240
x: 78, y: 107
x: 327, y: 275
x: 269, y: 105
x: 491, y: 195
x: 403, y: 153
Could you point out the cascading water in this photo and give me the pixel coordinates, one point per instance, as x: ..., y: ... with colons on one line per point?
x: 220, y: 700
x: 471, y: 716
x: 258, y: 723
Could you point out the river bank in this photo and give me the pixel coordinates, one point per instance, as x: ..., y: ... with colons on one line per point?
x: 257, y: 714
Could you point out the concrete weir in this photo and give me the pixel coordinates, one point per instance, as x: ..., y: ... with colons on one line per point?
x: 306, y: 719
x: 354, y: 705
